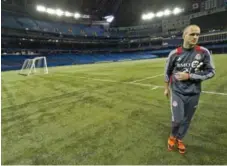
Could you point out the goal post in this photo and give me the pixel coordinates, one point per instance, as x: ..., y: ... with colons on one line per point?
x: 37, y: 65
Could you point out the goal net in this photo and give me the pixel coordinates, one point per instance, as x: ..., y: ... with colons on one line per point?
x: 36, y: 65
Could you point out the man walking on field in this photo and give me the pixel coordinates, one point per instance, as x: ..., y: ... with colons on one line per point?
x: 186, y: 67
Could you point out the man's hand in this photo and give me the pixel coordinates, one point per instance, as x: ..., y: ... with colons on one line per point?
x: 181, y: 76
x: 167, y: 92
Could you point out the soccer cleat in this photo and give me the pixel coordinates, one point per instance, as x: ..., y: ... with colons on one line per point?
x: 181, y: 146
x: 171, y: 143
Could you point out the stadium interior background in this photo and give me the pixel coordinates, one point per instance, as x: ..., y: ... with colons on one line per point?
x: 88, y: 31
x: 102, y: 101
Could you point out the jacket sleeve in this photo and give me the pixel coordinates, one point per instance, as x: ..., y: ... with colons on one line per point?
x: 208, y: 69
x: 169, y: 66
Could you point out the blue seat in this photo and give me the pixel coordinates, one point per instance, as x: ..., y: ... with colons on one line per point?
x: 27, y: 23
x: 10, y: 22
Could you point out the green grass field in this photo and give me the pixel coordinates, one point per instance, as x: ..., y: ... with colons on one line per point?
x: 94, y: 114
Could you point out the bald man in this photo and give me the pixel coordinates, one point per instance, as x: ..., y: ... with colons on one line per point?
x: 186, y: 68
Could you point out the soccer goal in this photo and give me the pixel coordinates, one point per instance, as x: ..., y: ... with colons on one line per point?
x: 36, y: 65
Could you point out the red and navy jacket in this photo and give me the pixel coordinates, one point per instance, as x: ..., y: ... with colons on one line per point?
x: 197, y: 62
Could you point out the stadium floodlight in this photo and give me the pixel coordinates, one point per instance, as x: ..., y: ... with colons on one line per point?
x: 36, y: 65
x: 150, y: 15
x: 51, y: 11
x: 68, y: 14
x: 160, y: 14
x: 167, y: 12
x: 109, y: 19
x: 40, y: 8
x: 59, y: 12
x: 144, y: 17
x: 177, y: 10
x: 77, y: 15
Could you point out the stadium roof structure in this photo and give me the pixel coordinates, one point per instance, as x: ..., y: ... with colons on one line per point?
x: 125, y: 12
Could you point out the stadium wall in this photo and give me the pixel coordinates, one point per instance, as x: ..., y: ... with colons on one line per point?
x: 14, y: 62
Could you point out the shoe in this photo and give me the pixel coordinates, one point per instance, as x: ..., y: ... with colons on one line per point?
x: 181, y: 146
x: 171, y: 143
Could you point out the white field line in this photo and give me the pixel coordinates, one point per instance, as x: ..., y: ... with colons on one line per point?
x: 148, y: 78
x: 145, y: 85
x: 156, y: 87
x: 149, y: 85
x: 98, y: 79
x: 132, y: 83
x: 215, y: 93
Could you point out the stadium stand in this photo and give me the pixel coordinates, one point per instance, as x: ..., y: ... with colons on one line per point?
x: 15, y: 22
x: 65, y: 43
